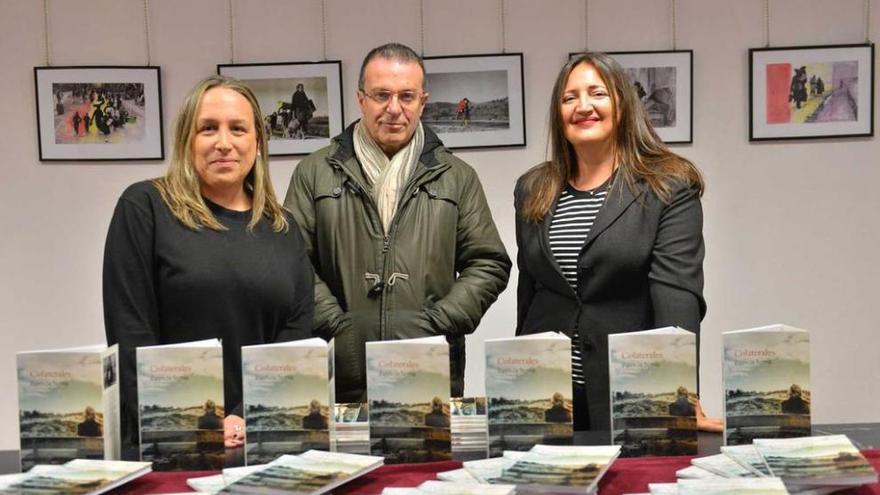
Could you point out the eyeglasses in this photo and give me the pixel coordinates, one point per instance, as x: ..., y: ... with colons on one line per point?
x: 405, y: 97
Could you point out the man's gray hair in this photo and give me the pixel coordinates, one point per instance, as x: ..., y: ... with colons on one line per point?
x: 397, y: 52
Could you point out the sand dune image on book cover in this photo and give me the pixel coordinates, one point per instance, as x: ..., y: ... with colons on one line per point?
x: 528, y: 390
x: 180, y: 392
x: 653, y: 379
x: 60, y: 409
x: 408, y: 389
x: 766, y: 384
x: 286, y: 398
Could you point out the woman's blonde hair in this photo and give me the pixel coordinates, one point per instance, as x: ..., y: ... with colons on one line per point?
x: 180, y: 188
x: 640, y: 154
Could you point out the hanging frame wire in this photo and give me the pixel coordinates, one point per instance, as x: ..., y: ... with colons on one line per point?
x: 231, y: 34
x: 586, y: 26
x: 46, y: 31
x: 147, y: 30
x: 324, y: 29
x: 422, y: 27
x: 503, y: 33
x: 672, y: 19
x: 767, y: 23
x: 867, y: 21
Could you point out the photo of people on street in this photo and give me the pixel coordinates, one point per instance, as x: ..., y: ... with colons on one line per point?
x: 98, y: 112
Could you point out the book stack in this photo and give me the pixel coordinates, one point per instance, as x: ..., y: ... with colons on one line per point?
x: 68, y: 405
x: 352, y: 427
x: 653, y: 384
x: 804, y: 466
x: 80, y: 476
x: 217, y: 482
x: 528, y: 387
x: 469, y: 423
x: 313, y: 472
x: 408, y: 388
x: 180, y: 396
x: 288, y: 394
x: 766, y: 384
x: 543, y: 469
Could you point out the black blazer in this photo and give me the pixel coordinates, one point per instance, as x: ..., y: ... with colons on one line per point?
x: 641, y: 268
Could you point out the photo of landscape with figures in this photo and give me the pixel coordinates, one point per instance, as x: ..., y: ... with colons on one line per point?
x: 181, y: 408
x: 528, y: 389
x: 408, y: 387
x: 285, y: 401
x: 91, y: 113
x: 294, y: 108
x: 56, y: 427
x: 766, y: 385
x: 467, y: 101
x: 817, y: 92
x: 653, y: 382
x: 655, y: 87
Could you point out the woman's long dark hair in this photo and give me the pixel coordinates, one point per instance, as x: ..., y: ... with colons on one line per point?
x: 640, y: 155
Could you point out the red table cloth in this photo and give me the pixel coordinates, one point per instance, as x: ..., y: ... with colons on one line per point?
x: 625, y: 476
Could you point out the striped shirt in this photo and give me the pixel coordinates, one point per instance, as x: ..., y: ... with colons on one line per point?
x: 574, y: 216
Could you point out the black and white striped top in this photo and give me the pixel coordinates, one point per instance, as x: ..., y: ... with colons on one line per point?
x: 574, y: 216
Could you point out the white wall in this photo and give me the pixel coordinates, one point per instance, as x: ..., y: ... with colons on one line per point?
x: 792, y: 229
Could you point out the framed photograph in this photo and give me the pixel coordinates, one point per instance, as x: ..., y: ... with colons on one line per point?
x: 804, y: 92
x: 664, y: 81
x: 99, y: 113
x: 476, y: 101
x: 301, y: 102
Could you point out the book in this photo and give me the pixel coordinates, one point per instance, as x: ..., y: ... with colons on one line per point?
x: 311, y: 472
x: 79, y: 476
x: 469, y: 423
x: 68, y: 405
x: 740, y: 486
x: 816, y: 461
x: 766, y: 375
x: 408, y: 389
x: 653, y: 382
x: 528, y: 389
x: 217, y: 482
x: 180, y: 398
x: 560, y: 469
x: 352, y: 427
x: 723, y: 466
x: 460, y: 475
x: 748, y: 457
x: 288, y: 392
x: 663, y: 488
x: 695, y: 473
x: 487, y: 470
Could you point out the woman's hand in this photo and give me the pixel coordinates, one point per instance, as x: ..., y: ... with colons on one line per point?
x: 705, y: 423
x: 233, y: 431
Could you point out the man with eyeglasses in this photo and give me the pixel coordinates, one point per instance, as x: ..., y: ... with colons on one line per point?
x: 398, y: 229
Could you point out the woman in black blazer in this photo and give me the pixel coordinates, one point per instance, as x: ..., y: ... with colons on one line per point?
x: 609, y: 230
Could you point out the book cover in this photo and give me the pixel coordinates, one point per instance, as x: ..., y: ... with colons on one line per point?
x: 528, y: 389
x: 823, y: 460
x: 68, y: 402
x: 408, y: 389
x: 766, y: 375
x: 79, y: 476
x: 288, y: 392
x: 695, y: 473
x: 748, y: 457
x: 470, y: 439
x: 653, y: 383
x: 180, y: 396
x: 740, y: 486
x: 560, y: 469
x: 312, y: 472
x: 722, y: 465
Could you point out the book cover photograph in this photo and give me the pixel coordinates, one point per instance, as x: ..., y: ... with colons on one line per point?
x: 79, y: 476
x: 312, y: 472
x: 653, y: 382
x: 766, y: 375
x: 180, y: 396
x: 66, y: 405
x: 528, y: 389
x: 408, y: 389
x: 288, y: 394
x: 823, y: 460
x: 561, y: 469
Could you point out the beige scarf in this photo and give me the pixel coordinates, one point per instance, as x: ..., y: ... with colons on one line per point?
x: 386, y: 176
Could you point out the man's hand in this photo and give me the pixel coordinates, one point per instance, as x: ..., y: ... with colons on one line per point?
x: 705, y: 423
x: 233, y: 431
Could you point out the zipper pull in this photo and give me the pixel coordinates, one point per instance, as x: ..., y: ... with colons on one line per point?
x: 385, y: 242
